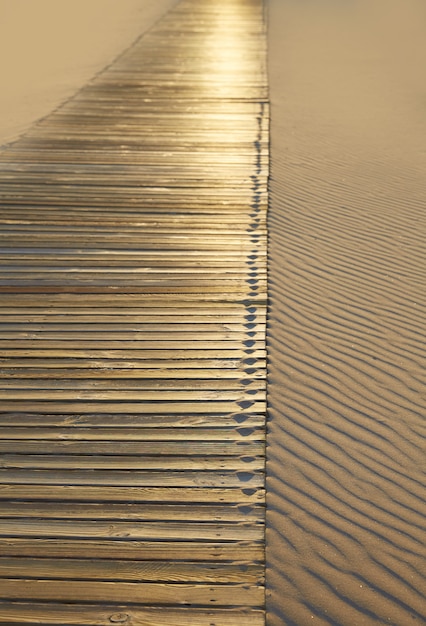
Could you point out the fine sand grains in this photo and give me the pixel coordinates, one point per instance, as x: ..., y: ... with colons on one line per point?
x: 347, y: 317
x: 50, y: 48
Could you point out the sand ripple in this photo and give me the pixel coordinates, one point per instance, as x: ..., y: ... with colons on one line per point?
x: 347, y: 318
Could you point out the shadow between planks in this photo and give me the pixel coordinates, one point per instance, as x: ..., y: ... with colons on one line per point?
x: 132, y: 336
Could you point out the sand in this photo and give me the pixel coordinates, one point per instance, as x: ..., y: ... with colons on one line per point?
x: 347, y: 316
x: 50, y: 48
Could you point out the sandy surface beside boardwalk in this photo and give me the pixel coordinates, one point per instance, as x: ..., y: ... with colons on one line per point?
x: 346, y: 336
x: 50, y: 48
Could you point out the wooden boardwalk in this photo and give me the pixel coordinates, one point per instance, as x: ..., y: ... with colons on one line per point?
x: 132, y: 337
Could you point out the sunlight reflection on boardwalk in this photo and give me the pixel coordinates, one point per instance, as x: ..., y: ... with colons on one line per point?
x: 133, y: 280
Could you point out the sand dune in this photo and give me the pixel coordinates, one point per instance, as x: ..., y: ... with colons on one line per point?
x: 50, y: 48
x: 346, y: 335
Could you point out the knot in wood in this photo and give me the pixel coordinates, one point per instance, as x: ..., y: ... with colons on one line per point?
x: 118, y: 618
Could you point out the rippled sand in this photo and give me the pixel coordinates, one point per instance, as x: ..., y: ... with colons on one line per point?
x: 347, y: 317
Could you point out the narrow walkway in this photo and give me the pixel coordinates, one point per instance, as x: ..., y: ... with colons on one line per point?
x: 132, y: 343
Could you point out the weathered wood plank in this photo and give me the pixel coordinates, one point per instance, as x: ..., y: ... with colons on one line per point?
x: 191, y: 368
x: 162, y: 347
x: 57, y: 406
x: 98, y: 437
x: 132, y: 571
x: 214, y: 426
x: 130, y: 615
x: 141, y: 531
x: 176, y: 354
x: 216, y: 552
x: 9, y: 381
x: 177, y: 396
x: 227, y: 448
x: 130, y: 511
x: 105, y: 493
x: 126, y: 462
x: 142, y: 593
x: 141, y: 478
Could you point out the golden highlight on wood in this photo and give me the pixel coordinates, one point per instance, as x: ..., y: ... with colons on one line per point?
x: 132, y: 337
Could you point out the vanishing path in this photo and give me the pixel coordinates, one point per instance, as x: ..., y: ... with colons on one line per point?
x: 132, y: 337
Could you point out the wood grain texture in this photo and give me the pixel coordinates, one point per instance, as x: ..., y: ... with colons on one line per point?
x: 132, y: 337
x: 130, y: 615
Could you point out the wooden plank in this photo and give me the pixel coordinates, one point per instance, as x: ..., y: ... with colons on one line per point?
x: 246, y: 433
x: 8, y: 381
x: 147, y: 531
x: 218, y: 426
x: 140, y: 478
x: 191, y: 368
x: 149, y: 378
x: 132, y: 571
x: 130, y: 511
x: 130, y: 615
x: 105, y: 395
x: 241, y: 449
x: 216, y: 552
x: 76, y: 322
x: 140, y: 408
x: 245, y: 495
x: 126, y: 462
x: 162, y: 346
x: 142, y: 593
x: 227, y: 305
